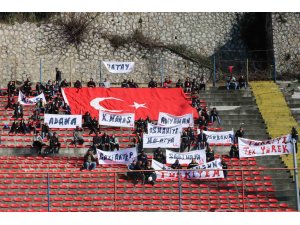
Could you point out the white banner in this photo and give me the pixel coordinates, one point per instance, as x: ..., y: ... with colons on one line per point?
x: 277, y: 146
x: 119, y: 67
x: 186, y: 157
x: 162, y: 141
x: 123, y: 156
x: 116, y: 119
x: 63, y: 121
x: 30, y: 101
x: 165, y: 119
x: 209, y: 170
x: 162, y: 130
x: 224, y: 137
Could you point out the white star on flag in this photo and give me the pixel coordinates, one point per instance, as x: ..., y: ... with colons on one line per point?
x: 137, y: 105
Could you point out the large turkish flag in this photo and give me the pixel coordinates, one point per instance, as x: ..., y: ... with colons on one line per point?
x: 141, y: 101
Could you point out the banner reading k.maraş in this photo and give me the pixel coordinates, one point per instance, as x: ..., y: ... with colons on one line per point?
x: 30, y: 101
x: 119, y: 67
x: 63, y: 121
x: 162, y: 130
x: 165, y: 119
x: 116, y: 119
x: 277, y: 146
x: 224, y: 137
x: 162, y: 141
x: 208, y: 170
x: 186, y: 157
x: 123, y: 156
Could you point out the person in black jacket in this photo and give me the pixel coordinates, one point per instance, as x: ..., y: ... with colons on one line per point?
x: 176, y: 165
x: 58, y: 75
x: 54, y: 143
x: 89, y: 161
x: 202, y: 140
x: 185, y: 142
x: 239, y: 133
x: 97, y: 142
x: 152, y: 83
x: 192, y: 164
x: 224, y: 167
x: 295, y: 136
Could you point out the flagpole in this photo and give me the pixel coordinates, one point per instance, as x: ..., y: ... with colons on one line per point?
x: 296, y: 173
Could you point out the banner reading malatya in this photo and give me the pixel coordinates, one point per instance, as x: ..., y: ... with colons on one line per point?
x: 123, y: 156
x: 166, y: 119
x: 162, y: 141
x: 224, y: 137
x: 63, y: 121
x: 162, y: 130
x: 209, y: 170
x: 116, y: 119
x: 119, y: 67
x: 186, y: 157
x: 277, y: 146
x: 30, y: 101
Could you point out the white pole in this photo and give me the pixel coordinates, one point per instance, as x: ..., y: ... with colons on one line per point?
x: 296, y: 173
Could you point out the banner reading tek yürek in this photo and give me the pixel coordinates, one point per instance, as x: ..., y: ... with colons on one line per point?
x: 119, y: 67
x: 116, y: 119
x: 123, y: 156
x: 63, y: 121
x: 186, y: 157
x: 162, y: 141
x: 162, y: 130
x: 224, y: 137
x: 166, y: 119
x: 277, y: 146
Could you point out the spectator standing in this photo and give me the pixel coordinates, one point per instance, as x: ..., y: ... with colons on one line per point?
x: 188, y: 85
x: 97, y: 142
x: 234, y: 152
x: 224, y: 167
x: 114, y: 143
x: 239, y: 133
x: 210, y: 155
x: 89, y: 161
x: 202, y: 140
x: 57, y: 75
x: 214, y: 116
x: 202, y: 84
x: 185, y: 142
x: 242, y: 82
x: 179, y: 84
x: 106, y: 83
x: 294, y: 135
x: 18, y: 110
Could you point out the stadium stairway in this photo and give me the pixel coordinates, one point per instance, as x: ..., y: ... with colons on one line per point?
x: 238, y: 108
x: 278, y: 118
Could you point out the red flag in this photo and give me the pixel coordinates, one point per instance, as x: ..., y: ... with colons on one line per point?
x: 142, y: 101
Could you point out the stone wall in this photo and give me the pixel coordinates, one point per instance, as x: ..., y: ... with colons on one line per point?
x: 286, y: 42
x: 23, y: 47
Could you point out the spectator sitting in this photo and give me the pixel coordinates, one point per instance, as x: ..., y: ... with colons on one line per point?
x: 54, y: 143
x: 214, y: 116
x: 242, y: 82
x: 91, y: 83
x: 106, y: 83
x: 167, y: 83
x: 124, y: 84
x: 89, y: 161
x: 143, y: 158
x: 38, y: 142
x: 77, y: 84
x: 210, y: 155
x: 64, y: 84
x: 231, y: 82
x: 202, y: 140
x: 114, y: 143
x: 188, y: 85
x: 195, y: 86
x: 176, y: 165
x: 152, y: 83
x: 77, y: 136
x: 132, y: 84
x: 159, y: 156
x: 192, y: 164
x: 239, y: 133
x: 179, y: 84
x: 105, y: 142
x: 97, y: 142
x: 150, y: 176
x: 130, y: 175
x: 234, y: 152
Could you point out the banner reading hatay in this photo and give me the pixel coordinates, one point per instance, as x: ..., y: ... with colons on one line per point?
x: 142, y: 101
x: 277, y: 146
